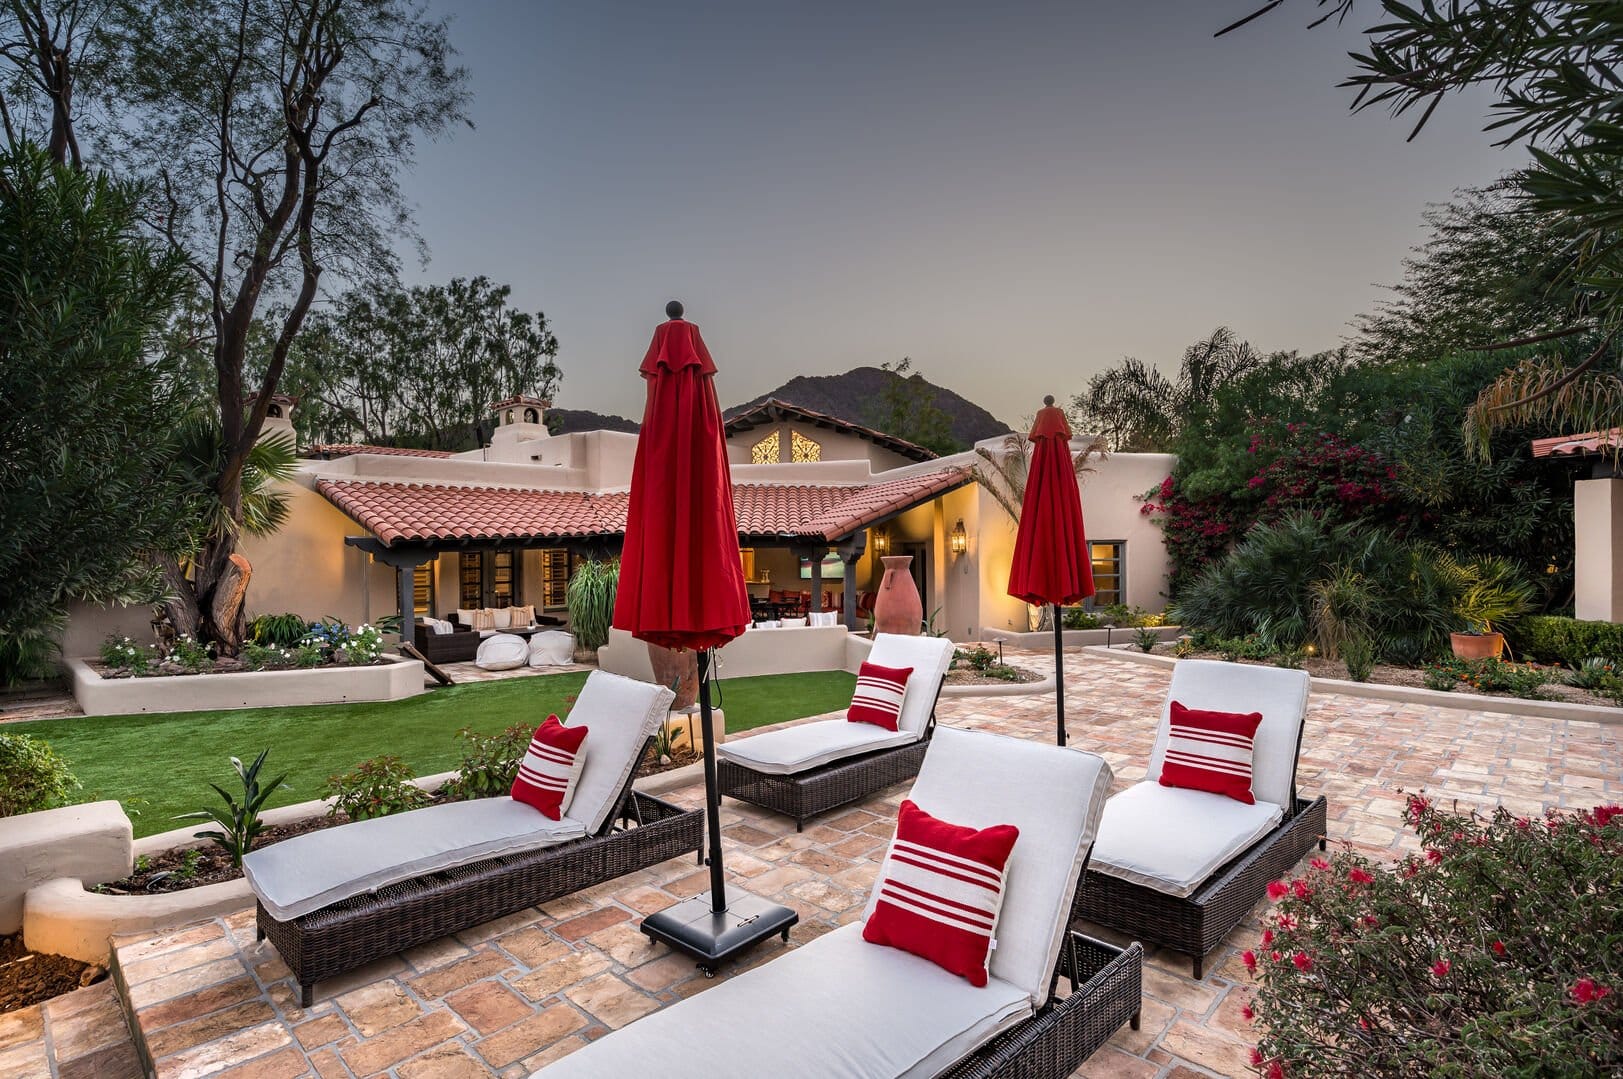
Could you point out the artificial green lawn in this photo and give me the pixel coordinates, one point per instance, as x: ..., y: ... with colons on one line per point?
x: 161, y: 765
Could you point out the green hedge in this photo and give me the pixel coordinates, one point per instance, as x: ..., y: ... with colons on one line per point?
x: 1554, y: 639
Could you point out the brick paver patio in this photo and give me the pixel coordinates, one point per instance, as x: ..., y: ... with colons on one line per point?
x: 514, y: 994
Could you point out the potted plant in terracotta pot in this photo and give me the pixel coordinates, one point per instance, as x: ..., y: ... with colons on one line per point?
x: 1493, y: 591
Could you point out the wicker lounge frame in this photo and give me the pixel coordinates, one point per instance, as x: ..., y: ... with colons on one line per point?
x: 643, y: 831
x: 1197, y: 923
x: 802, y: 795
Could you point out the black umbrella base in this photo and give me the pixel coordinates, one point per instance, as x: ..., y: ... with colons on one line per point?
x: 692, y: 928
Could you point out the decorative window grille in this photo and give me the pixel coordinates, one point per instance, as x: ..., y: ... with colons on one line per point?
x: 766, y: 451
x: 803, y: 449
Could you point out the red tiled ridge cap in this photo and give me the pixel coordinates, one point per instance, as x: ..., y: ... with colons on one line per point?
x: 1577, y: 445
x: 346, y: 449
x: 416, y: 512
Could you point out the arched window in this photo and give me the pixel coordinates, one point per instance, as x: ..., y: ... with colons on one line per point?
x: 509, y: 415
x: 274, y: 412
x: 532, y: 416
x: 765, y: 452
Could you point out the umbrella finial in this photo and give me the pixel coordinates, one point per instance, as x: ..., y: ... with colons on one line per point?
x: 673, y: 309
x: 1048, y: 402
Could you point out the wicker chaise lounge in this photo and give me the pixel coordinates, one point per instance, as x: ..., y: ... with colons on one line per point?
x: 1182, y: 868
x: 814, y: 767
x: 841, y: 1007
x: 336, y: 899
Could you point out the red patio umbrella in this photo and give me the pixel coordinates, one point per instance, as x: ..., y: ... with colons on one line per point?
x: 682, y: 586
x: 1051, y: 563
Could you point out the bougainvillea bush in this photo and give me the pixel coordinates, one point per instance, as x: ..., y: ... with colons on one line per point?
x: 1496, y: 951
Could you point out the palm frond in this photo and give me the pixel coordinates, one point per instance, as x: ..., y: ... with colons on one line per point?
x: 1541, y: 390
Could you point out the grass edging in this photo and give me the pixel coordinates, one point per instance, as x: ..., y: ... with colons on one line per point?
x: 1469, y: 702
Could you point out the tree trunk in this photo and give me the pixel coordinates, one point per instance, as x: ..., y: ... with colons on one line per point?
x: 225, y: 607
x: 181, y: 605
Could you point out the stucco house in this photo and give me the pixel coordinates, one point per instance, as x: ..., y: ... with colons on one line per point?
x: 374, y: 530
x: 1597, y: 511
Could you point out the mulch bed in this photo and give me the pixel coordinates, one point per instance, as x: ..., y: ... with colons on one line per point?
x: 652, y: 767
x: 192, y: 867
x: 28, y: 978
x: 1387, y: 675
x: 223, y: 665
x: 968, y: 676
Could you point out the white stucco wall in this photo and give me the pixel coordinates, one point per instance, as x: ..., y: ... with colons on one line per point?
x: 1597, y: 507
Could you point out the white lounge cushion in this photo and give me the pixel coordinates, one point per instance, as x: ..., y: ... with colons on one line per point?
x: 837, y: 1008
x: 1055, y: 797
x: 501, y: 652
x: 1172, y: 839
x: 929, y: 657
x: 622, y: 713
x: 824, y: 618
x: 552, y: 648
x: 501, y: 618
x: 810, y: 745
x: 1279, y: 693
x: 318, y: 869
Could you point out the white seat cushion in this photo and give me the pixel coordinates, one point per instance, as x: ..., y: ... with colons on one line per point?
x: 929, y: 657
x: 1279, y: 693
x: 501, y: 652
x: 1054, y: 796
x: 810, y: 745
x: 837, y: 1008
x: 1171, y: 839
x: 551, y: 648
x: 623, y: 714
x: 318, y: 869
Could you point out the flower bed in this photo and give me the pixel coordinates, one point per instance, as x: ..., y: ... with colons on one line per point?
x: 390, y: 678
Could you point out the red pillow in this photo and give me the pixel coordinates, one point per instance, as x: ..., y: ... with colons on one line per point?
x: 879, y: 693
x: 1211, y: 751
x: 547, y: 774
x: 941, y: 890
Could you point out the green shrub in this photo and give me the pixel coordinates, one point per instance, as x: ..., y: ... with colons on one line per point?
x: 590, y: 599
x: 1185, y: 647
x: 375, y: 788
x: 191, y: 654
x: 239, y: 823
x: 1238, y: 648
x: 1592, y: 674
x: 260, y: 657
x: 1493, y: 952
x: 1440, y: 676
x: 1081, y: 618
x: 363, y: 647
x: 1556, y: 639
x: 123, y: 654
x: 286, y: 630
x: 978, y: 658
x: 32, y: 776
x: 1359, y: 655
x: 489, y: 762
x: 1291, y: 658
x: 1146, y: 639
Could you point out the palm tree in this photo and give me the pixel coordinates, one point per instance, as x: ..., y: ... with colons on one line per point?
x: 1139, y: 409
x: 1571, y: 398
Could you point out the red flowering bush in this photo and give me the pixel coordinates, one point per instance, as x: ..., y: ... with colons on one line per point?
x: 1496, y: 951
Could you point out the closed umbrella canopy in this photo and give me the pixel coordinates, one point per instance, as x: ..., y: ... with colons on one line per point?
x: 681, y: 578
x: 1051, y: 563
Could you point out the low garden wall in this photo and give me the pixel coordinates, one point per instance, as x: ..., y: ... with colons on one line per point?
x: 394, y: 679
x: 791, y: 650
x: 1077, y: 638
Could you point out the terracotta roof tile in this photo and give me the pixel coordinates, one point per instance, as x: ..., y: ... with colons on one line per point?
x: 1577, y: 445
x: 346, y: 449
x: 414, y: 512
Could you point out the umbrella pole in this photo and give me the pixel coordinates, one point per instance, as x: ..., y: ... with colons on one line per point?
x: 1059, y: 673
x: 712, y: 797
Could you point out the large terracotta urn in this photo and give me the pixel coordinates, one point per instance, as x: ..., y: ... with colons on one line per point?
x: 678, y: 671
x: 898, y: 608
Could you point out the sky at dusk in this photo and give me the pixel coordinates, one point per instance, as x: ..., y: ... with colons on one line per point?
x: 1015, y: 195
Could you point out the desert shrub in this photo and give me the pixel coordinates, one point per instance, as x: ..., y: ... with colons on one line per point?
x: 1146, y: 639
x: 1593, y: 674
x: 32, y: 776
x: 1238, y: 648
x: 1359, y: 655
x: 261, y: 657
x: 310, y: 653
x: 237, y: 823
x: 123, y: 654
x: 1440, y: 676
x: 1493, y: 952
x: 979, y: 658
x: 590, y: 599
x: 374, y: 788
x: 191, y: 654
x: 1555, y: 639
x: 1081, y: 618
x: 1185, y: 647
x: 286, y: 630
x: 489, y: 761
x: 1291, y: 658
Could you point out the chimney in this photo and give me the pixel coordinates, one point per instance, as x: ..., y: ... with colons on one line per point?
x: 278, y: 415
x: 520, y: 419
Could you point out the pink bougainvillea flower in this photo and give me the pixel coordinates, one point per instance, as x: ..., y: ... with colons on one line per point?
x: 1276, y: 1070
x: 1287, y: 921
x: 1248, y: 1012
x: 1300, y: 888
x: 1434, y: 856
x: 1267, y: 937
x: 1274, y: 955
x: 1277, y: 890
x: 1360, y: 876
x: 1439, y: 969
x: 1363, y: 1024
x: 1605, y: 814
x: 1370, y: 920
x: 1417, y: 806
x: 1319, y: 863
x: 1523, y: 823
x: 1498, y: 947
x: 1249, y: 958
x: 1588, y: 991
x: 1303, y: 961
x: 1256, y: 1057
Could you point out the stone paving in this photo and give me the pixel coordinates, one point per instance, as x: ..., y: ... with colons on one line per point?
x: 510, y: 996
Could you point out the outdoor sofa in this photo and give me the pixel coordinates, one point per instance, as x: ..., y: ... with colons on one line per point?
x: 840, y: 1006
x: 809, y: 768
x: 1182, y: 868
x: 335, y: 899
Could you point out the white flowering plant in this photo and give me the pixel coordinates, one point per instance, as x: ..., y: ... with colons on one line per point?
x: 122, y: 654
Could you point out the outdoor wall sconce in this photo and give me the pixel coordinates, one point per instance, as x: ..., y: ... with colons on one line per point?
x: 881, y: 542
x: 960, y: 538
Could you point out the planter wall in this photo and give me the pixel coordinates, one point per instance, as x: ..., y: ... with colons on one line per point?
x: 793, y: 650
x: 1043, y: 640
x: 393, y: 680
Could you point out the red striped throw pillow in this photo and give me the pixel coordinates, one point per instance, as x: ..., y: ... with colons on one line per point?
x: 1211, y: 751
x: 941, y: 891
x: 878, y: 698
x: 546, y: 776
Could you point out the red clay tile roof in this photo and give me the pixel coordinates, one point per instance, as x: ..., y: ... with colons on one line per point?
x: 773, y: 410
x: 345, y: 449
x: 1577, y: 445
x: 415, y: 513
